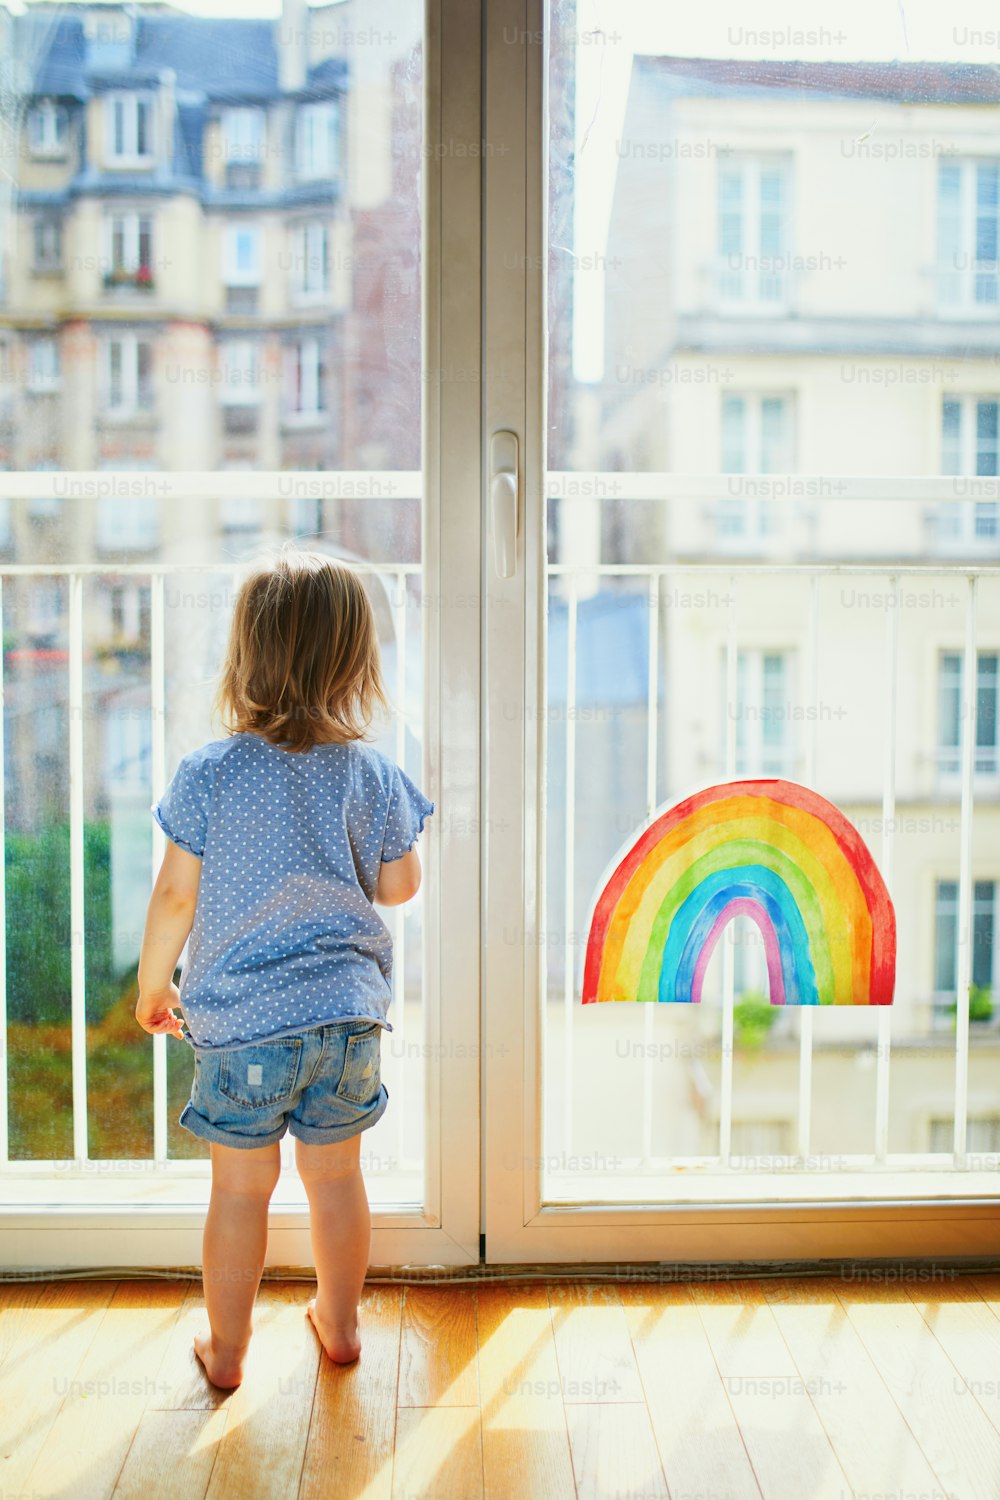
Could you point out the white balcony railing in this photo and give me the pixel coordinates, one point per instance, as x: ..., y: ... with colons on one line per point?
x: 970, y: 579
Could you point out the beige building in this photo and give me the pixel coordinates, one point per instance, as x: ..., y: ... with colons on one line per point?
x: 802, y: 280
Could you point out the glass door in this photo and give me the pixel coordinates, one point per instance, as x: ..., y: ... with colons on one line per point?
x: 726, y: 273
x: 225, y: 325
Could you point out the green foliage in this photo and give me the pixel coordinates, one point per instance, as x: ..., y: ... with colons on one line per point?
x: 980, y: 1004
x: 39, y: 931
x: 753, y: 1017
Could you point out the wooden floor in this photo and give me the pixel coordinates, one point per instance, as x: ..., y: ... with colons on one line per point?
x: 797, y: 1389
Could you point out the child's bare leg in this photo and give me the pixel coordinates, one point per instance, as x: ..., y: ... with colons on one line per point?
x: 233, y: 1253
x: 340, y: 1223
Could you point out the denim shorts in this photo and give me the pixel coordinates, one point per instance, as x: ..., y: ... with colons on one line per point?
x: 322, y: 1085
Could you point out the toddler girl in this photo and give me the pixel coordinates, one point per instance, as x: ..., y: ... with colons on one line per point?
x: 281, y: 837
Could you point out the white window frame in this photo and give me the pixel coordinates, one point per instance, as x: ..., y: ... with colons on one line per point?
x: 52, y: 141
x: 741, y: 289
x: 234, y: 273
x: 131, y: 103
x: 971, y: 525
x: 306, y: 351
x: 44, y: 373
x: 986, y: 758
x: 309, y: 261
x: 130, y: 226
x: 317, y: 140
x: 945, y: 997
x: 752, y: 518
x: 240, y: 383
x: 957, y: 284
x: 753, y: 757
x: 130, y: 404
x: 244, y: 134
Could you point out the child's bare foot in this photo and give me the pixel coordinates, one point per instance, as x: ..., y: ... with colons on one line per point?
x: 224, y: 1367
x: 342, y: 1344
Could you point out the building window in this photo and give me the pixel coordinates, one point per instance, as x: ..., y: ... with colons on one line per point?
x: 243, y: 146
x: 240, y: 362
x: 968, y: 224
x: 764, y: 741
x: 129, y: 128
x: 305, y: 378
x: 241, y: 258
x: 309, y: 261
x: 129, y: 250
x: 128, y: 375
x: 48, y: 127
x: 756, y: 438
x: 129, y: 612
x: 47, y: 243
x: 316, y: 141
x: 986, y: 761
x: 970, y: 444
x: 946, y: 943
x: 43, y: 365
x: 753, y: 233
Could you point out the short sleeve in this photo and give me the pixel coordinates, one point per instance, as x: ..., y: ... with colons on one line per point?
x: 408, y: 808
x: 182, y: 811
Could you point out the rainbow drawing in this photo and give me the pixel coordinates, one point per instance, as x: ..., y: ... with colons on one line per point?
x: 770, y: 850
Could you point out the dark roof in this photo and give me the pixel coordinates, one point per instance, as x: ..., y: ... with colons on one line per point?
x: 913, y: 82
x: 225, y: 60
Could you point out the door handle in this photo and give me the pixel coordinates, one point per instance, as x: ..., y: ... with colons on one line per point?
x: 503, y: 501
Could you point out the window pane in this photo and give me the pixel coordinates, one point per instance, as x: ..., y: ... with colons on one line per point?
x: 171, y: 327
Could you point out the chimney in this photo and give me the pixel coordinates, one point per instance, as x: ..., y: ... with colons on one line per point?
x: 293, y: 46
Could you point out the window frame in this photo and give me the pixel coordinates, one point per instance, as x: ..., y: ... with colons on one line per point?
x: 132, y: 103
x: 311, y: 164
x: 751, y: 166
x: 232, y: 273
x: 133, y: 383
x: 54, y: 142
x: 964, y: 305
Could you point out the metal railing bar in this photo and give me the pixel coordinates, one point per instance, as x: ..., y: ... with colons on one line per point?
x: 970, y: 672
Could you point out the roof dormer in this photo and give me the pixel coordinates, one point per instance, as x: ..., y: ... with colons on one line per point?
x: 109, y: 38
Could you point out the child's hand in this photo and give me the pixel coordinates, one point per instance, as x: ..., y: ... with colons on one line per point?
x: 155, y: 1013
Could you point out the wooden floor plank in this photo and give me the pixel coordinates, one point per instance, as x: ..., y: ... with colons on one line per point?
x: 261, y: 1453
x: 969, y: 1333
x: 183, y: 1384
x: 959, y: 1440
x: 699, y: 1440
x: 596, y: 1358
x: 614, y: 1451
x: 523, y: 1420
x: 103, y: 1401
x: 353, y: 1426
x: 866, y: 1429
x: 439, y: 1454
x: 437, y: 1363
x: 791, y: 1454
x: 50, y: 1347
x: 785, y: 1389
x: 17, y: 1298
x: 172, y: 1455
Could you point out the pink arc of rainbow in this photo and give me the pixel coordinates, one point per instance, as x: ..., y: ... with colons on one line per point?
x: 748, y: 907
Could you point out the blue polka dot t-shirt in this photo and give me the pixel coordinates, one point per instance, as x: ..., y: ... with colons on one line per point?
x: 285, y: 935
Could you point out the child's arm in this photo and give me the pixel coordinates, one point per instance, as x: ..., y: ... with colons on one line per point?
x: 168, y: 922
x: 398, y: 879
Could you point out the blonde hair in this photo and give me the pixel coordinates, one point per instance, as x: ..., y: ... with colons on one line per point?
x: 302, y: 665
